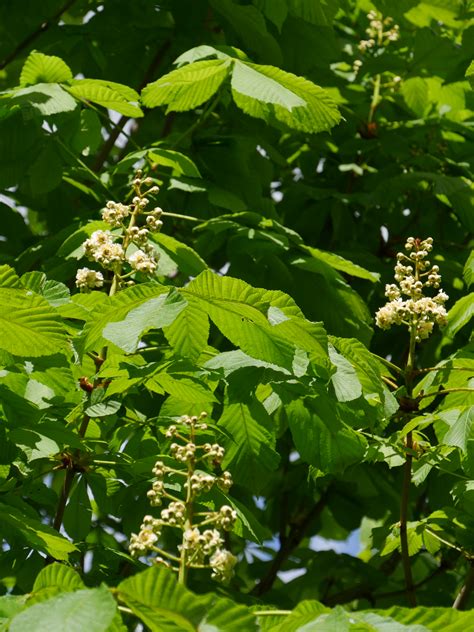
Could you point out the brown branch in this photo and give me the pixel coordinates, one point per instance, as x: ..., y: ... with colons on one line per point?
x: 466, y: 589
x: 43, y: 27
x: 115, y: 133
x: 289, y: 544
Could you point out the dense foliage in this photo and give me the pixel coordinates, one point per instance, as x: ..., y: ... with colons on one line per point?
x: 202, y: 205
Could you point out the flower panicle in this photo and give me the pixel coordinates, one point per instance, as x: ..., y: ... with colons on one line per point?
x: 202, y: 542
x: 408, y: 305
x: 125, y: 247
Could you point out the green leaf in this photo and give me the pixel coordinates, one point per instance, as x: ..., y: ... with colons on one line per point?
x: 152, y: 314
x: 226, y: 615
x: 321, y: 438
x: 459, y: 315
x: 468, y: 272
x: 60, y: 576
x: 434, y: 619
x: 91, y: 610
x: 273, y: 95
x: 305, y: 612
x: 40, y: 68
x: 250, y: 26
x: 54, y: 292
x: 188, y: 87
x: 250, y: 449
x: 161, y: 603
x: 416, y: 94
x: 180, y: 164
x: 8, y: 277
x: 187, y: 261
x: 470, y: 73
x: 189, y: 332
x: 274, y: 10
x: 28, y: 325
x: 99, y: 92
x: 78, y: 512
x: 36, y: 534
x: 233, y: 306
x: 54, y: 579
x: 318, y: 12
x: 345, y: 381
x: 460, y: 422
x: 45, y: 98
x: 116, y: 307
x: 343, y: 265
x: 182, y: 387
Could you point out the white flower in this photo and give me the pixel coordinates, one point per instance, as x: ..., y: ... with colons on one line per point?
x: 115, y: 213
x: 222, y: 564
x: 87, y: 280
x: 142, y: 262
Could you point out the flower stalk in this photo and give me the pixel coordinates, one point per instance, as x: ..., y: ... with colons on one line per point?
x: 408, y: 305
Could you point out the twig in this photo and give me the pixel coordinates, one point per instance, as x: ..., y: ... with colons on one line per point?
x: 466, y: 589
x: 43, y: 27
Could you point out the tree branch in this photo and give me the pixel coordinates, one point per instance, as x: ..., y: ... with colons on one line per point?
x: 43, y: 27
x: 289, y: 544
x: 115, y: 133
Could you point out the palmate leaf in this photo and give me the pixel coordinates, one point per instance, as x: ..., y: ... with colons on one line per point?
x: 266, y: 92
x: 40, y: 68
x: 272, y: 94
x: 29, y: 326
x: 235, y: 307
x: 92, y: 610
x: 187, y: 87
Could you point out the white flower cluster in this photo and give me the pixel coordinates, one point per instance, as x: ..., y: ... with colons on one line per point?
x: 101, y: 248
x: 407, y: 304
x: 199, y: 548
x: 87, y: 280
x: 114, y: 213
x: 378, y: 33
x: 209, y: 544
x: 128, y: 246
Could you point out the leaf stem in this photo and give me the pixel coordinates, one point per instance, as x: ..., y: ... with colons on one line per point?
x: 446, y: 391
x: 180, y: 216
